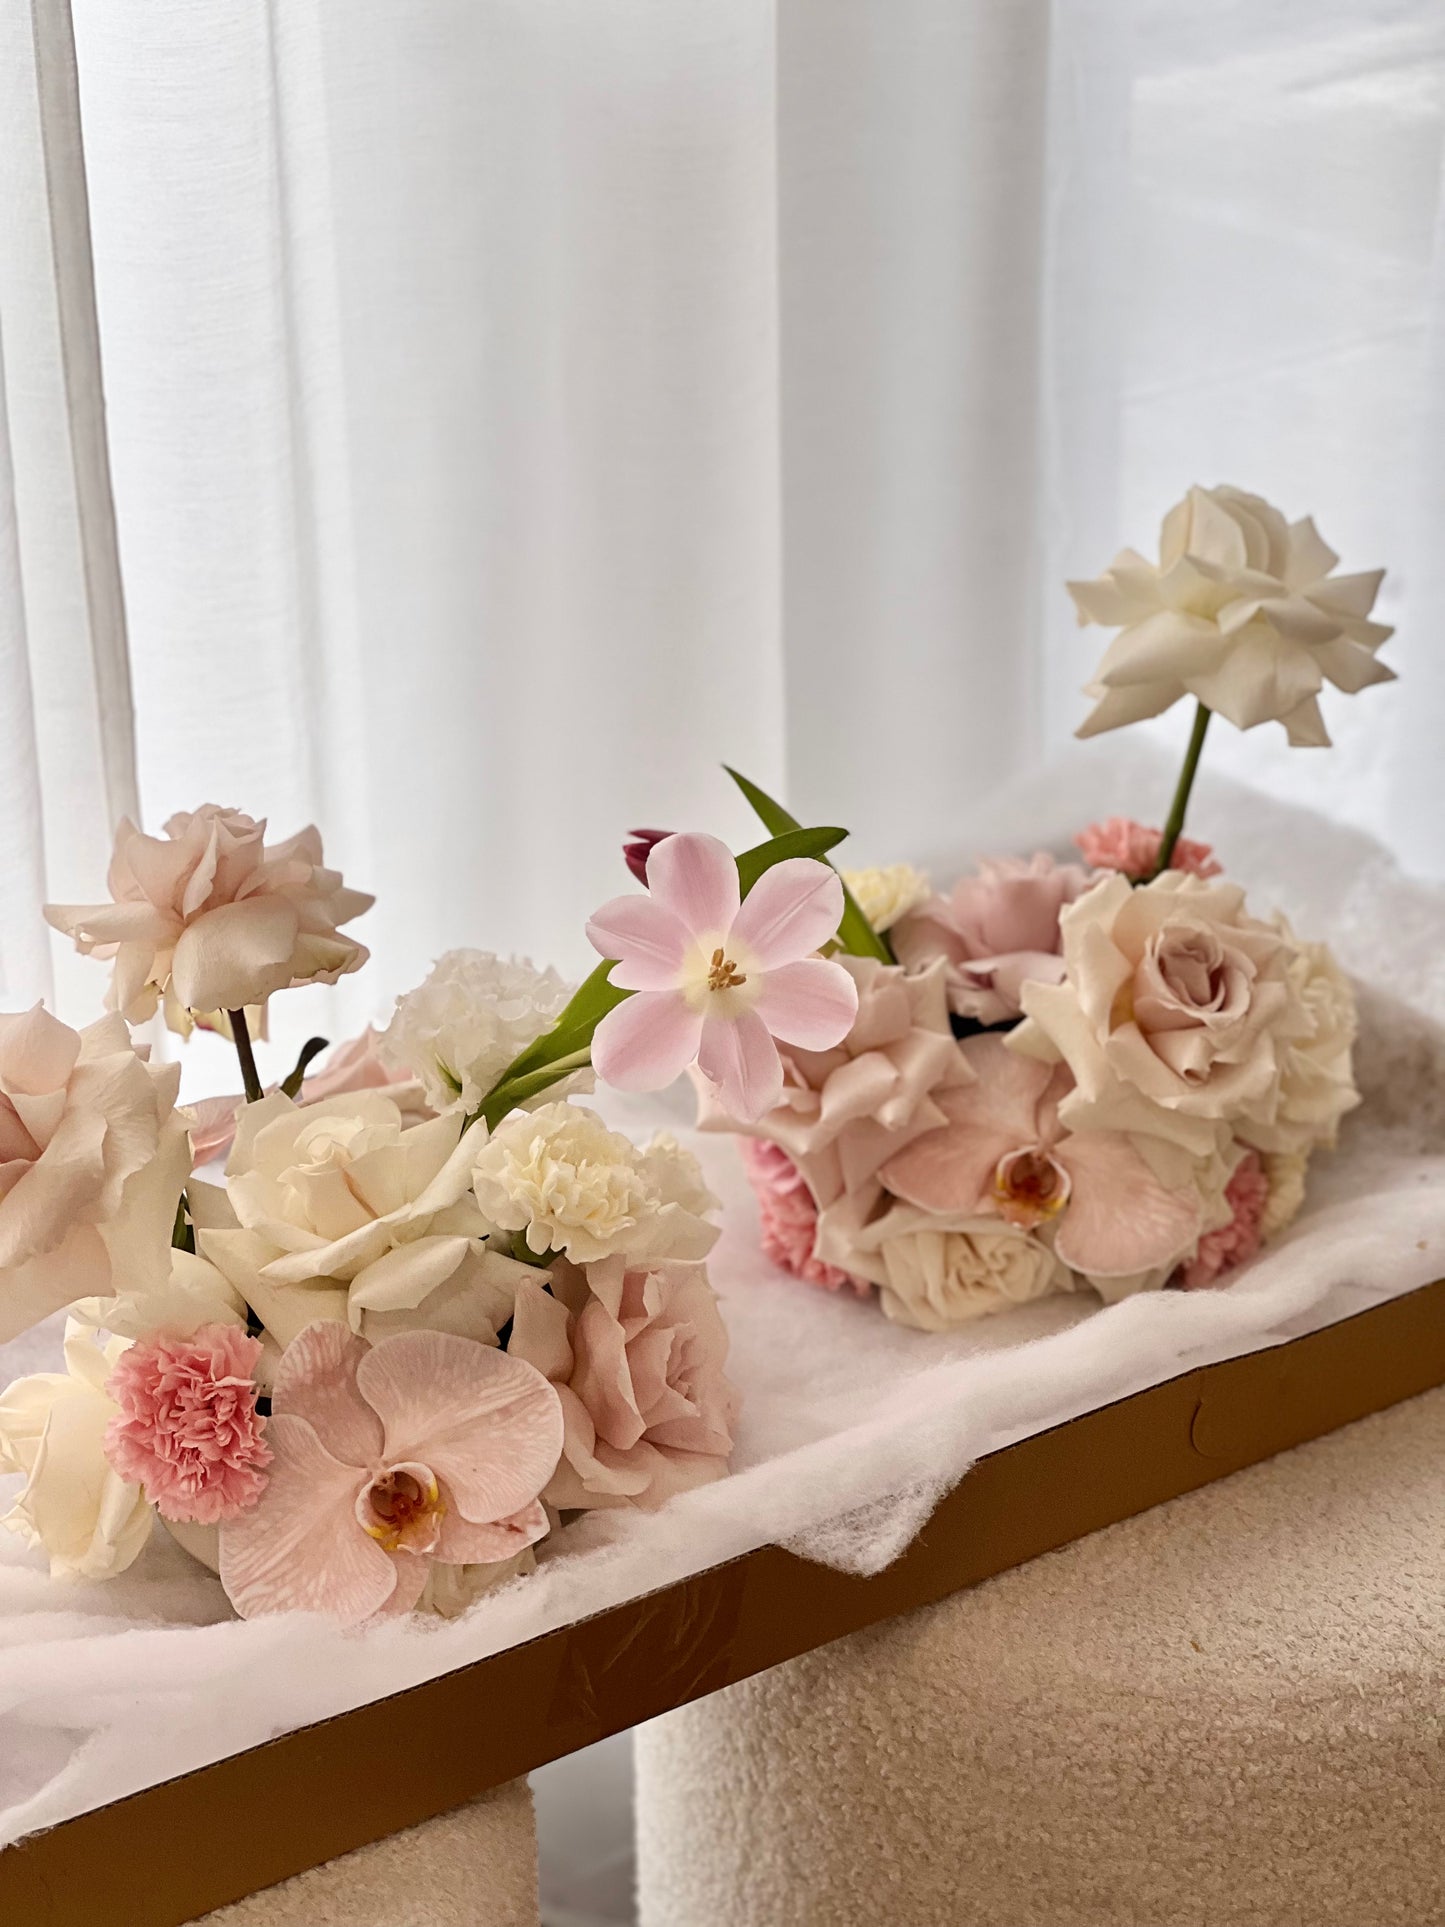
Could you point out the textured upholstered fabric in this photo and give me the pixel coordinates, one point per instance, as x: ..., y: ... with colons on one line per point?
x: 1229, y: 1712
x: 475, y: 1867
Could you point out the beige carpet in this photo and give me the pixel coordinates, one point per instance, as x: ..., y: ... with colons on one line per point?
x: 1229, y: 1712
x: 476, y: 1867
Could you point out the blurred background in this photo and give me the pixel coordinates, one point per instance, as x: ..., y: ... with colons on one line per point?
x: 517, y: 407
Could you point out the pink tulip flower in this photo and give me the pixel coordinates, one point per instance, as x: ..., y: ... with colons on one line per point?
x: 718, y: 978
x: 1004, y: 1153
x: 386, y: 1458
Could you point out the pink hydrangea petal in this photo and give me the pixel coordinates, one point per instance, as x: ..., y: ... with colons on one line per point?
x: 463, y: 1542
x: 299, y: 1548
x: 791, y: 911
x: 647, y: 940
x: 696, y: 878
x: 811, y: 1003
x: 1120, y: 1219
x: 739, y: 1056
x: 316, y: 1380
x: 487, y: 1424
x: 647, y: 1041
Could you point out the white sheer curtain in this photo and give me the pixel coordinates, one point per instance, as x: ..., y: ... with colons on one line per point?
x: 518, y: 406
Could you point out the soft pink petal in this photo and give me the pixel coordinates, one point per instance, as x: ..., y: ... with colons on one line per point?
x: 487, y: 1424
x: 299, y: 1548
x: 464, y: 1543
x: 810, y: 1003
x: 37, y: 1051
x: 235, y: 955
x: 696, y: 878
x: 1119, y: 1219
x: 648, y: 941
x: 739, y: 1056
x: 791, y: 911
x: 951, y: 1169
x: 1008, y: 1091
x: 647, y: 1041
x: 316, y: 1380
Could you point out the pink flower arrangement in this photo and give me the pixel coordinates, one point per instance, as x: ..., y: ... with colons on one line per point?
x: 1119, y: 843
x: 788, y: 1216
x: 1247, y: 1194
x: 188, y: 1431
x: 424, y: 1448
x: 995, y: 932
x: 720, y: 979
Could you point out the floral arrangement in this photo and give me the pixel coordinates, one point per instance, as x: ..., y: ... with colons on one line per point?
x: 1104, y: 1074
x: 433, y: 1307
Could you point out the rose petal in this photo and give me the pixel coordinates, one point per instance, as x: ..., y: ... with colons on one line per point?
x: 235, y: 955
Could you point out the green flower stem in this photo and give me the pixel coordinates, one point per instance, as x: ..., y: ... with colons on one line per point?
x: 512, y: 1090
x: 1175, y: 822
x: 250, y: 1076
x: 182, y: 1236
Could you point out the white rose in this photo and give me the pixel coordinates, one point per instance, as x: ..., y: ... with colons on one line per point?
x: 342, y: 1209
x: 52, y: 1430
x: 194, y: 1294
x: 1241, y: 611
x: 940, y: 1272
x: 1175, y: 1015
x: 886, y: 894
x: 562, y: 1178
x: 459, y: 1030
x: 1317, y: 1081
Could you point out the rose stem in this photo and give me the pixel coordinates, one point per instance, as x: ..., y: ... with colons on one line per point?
x: 249, y: 1075
x: 1180, y: 804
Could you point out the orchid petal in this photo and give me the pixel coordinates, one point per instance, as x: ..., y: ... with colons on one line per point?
x: 316, y: 1380
x: 695, y: 877
x: 811, y: 1003
x: 462, y: 1542
x: 739, y: 1056
x: 647, y: 1041
x: 1120, y: 1219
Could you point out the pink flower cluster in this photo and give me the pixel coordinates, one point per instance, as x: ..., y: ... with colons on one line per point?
x: 1119, y: 843
x: 788, y: 1215
x: 1233, y: 1243
x: 188, y: 1429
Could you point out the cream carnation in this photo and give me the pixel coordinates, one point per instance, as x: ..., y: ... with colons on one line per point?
x: 1175, y: 1015
x: 461, y: 1028
x: 1241, y: 610
x: 569, y: 1184
x: 1286, y: 1173
x: 1317, y: 1082
x: 93, y: 1155
x: 346, y: 1210
x: 213, y: 918
x: 73, y: 1506
x: 937, y: 1273
x: 884, y: 895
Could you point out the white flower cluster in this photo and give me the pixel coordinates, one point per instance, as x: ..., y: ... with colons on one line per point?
x: 475, y: 1012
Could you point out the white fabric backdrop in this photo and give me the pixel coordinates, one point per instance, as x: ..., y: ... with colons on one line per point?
x: 517, y: 406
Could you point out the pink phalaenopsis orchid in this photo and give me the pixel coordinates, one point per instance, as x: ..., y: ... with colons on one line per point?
x: 423, y: 1448
x: 718, y: 977
x: 1003, y: 1152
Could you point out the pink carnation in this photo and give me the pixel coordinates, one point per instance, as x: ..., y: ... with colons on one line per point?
x: 789, y: 1215
x: 188, y: 1429
x: 1119, y: 843
x: 1220, y: 1251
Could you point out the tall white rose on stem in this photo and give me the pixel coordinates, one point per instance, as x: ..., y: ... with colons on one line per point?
x: 1241, y: 611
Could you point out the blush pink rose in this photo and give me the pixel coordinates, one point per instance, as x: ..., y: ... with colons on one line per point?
x: 188, y: 1431
x: 1119, y: 843
x: 1233, y: 1243
x: 995, y: 931
x: 215, y: 916
x: 788, y: 1216
x: 636, y: 1357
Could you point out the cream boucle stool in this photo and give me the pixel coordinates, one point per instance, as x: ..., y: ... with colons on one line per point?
x: 1228, y: 1712
x: 476, y: 1867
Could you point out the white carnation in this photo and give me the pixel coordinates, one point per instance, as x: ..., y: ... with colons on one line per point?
x: 569, y: 1184
x: 886, y: 894
x: 459, y: 1030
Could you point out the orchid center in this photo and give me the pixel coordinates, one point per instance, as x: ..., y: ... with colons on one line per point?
x: 402, y: 1509
x: 1030, y: 1187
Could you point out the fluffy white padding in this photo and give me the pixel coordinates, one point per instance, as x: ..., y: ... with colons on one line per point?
x: 851, y: 1426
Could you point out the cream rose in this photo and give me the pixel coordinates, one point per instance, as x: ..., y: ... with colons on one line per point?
x: 937, y: 1273
x: 461, y: 1028
x: 72, y: 1506
x: 559, y: 1176
x: 636, y: 1355
x: 1175, y: 1015
x: 1317, y: 1081
x: 93, y: 1155
x: 212, y: 918
x: 884, y: 895
x: 1241, y: 610
x: 343, y: 1210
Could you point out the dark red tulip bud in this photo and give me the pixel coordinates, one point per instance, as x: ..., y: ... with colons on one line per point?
x: 640, y: 847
